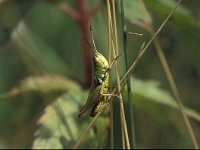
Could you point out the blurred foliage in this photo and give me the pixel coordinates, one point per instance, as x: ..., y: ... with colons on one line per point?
x: 42, y: 72
x: 60, y: 125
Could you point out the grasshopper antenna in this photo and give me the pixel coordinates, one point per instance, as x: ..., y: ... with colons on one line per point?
x: 84, y: 38
x: 95, y: 49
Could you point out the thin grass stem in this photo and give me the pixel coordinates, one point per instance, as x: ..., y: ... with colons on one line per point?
x: 175, y: 91
x: 131, y: 118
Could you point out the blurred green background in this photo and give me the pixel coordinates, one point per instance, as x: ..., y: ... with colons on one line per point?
x: 44, y: 78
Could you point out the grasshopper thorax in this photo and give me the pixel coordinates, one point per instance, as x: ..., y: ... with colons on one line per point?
x: 100, y: 67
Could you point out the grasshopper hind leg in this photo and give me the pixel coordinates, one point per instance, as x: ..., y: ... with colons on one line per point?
x: 93, y: 111
x: 96, y: 108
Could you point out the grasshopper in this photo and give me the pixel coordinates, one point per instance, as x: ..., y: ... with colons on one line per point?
x: 99, y: 90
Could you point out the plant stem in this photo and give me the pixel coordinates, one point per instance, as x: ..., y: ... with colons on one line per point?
x: 174, y: 89
x: 116, y: 53
x: 110, y: 78
x: 84, y: 24
x: 82, y: 16
x: 125, y: 137
x: 132, y: 128
x: 84, y: 133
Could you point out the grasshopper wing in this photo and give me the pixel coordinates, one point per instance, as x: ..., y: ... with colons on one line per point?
x: 93, y: 98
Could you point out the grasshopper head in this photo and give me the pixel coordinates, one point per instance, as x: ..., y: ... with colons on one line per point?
x: 100, y: 61
x: 100, y: 67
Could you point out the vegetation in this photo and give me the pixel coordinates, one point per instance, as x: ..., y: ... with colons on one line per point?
x: 46, y: 70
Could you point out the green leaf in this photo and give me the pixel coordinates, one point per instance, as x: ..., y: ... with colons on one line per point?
x: 59, y: 126
x: 54, y: 42
x: 134, y: 11
x: 150, y: 91
x: 35, y: 52
x: 46, y: 83
x: 184, y: 28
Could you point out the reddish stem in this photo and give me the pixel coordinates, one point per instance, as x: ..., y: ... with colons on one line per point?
x: 82, y: 16
x: 69, y: 11
x: 84, y: 20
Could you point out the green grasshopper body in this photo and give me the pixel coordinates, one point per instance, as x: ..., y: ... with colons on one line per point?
x: 96, y: 100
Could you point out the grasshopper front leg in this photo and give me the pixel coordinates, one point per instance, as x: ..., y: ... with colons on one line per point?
x: 107, y: 94
x: 114, y: 59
